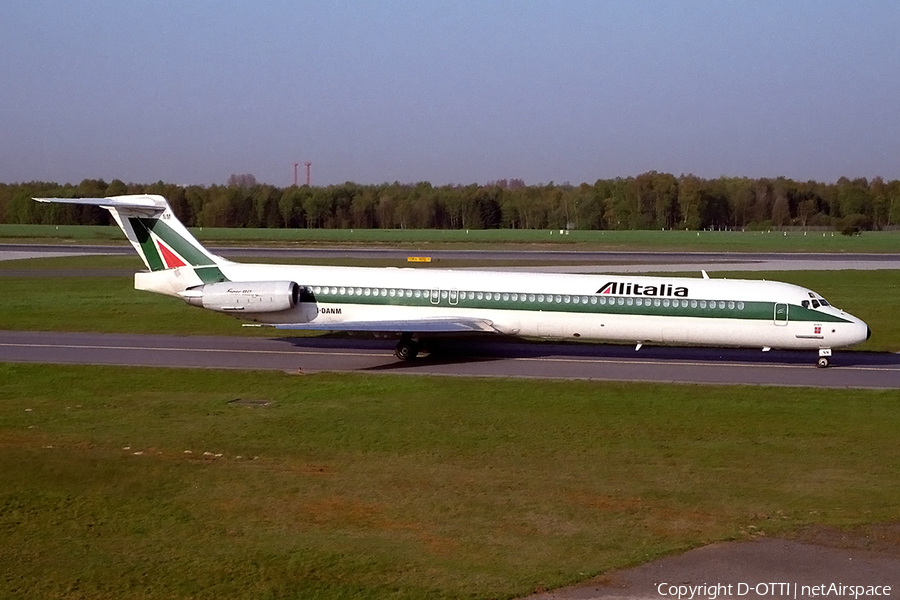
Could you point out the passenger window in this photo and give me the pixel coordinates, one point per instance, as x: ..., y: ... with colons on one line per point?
x: 740, y: 306
x: 515, y: 297
x: 343, y: 291
x: 593, y: 299
x: 480, y: 295
x: 656, y: 302
x: 639, y: 301
x: 693, y: 304
x: 703, y: 304
x: 731, y: 306
x: 722, y: 304
x: 621, y: 302
x: 531, y: 297
x: 666, y: 303
x: 566, y: 299
x: 367, y: 292
x: 575, y: 299
x: 393, y: 292
x: 602, y: 300
x: 558, y: 298
x: 505, y: 297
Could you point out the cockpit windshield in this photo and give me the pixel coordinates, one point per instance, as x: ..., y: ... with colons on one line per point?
x: 815, y: 301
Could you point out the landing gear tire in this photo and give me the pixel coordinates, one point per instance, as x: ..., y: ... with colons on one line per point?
x: 406, y: 349
x: 823, y: 362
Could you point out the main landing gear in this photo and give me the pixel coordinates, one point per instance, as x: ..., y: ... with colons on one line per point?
x: 824, y: 358
x: 407, y: 347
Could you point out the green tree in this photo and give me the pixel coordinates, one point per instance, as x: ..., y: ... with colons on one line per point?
x: 690, y: 189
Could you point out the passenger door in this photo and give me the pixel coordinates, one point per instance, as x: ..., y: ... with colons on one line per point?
x: 781, y: 314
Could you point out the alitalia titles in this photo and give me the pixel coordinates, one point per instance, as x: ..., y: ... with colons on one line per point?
x: 622, y: 288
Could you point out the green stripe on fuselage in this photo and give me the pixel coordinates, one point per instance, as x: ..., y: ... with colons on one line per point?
x: 754, y: 311
x: 210, y: 274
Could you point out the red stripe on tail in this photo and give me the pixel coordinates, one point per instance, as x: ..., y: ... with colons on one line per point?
x: 170, y: 258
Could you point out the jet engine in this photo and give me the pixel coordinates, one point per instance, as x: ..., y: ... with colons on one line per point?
x: 244, y: 297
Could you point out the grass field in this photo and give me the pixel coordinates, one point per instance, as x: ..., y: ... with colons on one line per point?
x: 684, y: 241
x: 147, y: 483
x: 151, y: 483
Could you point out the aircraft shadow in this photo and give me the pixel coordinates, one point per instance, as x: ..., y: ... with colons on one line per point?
x: 474, y: 349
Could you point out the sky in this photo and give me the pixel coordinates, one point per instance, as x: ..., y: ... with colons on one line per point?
x: 450, y: 92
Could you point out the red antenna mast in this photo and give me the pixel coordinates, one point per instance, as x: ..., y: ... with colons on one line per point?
x: 295, y: 173
x: 308, y: 165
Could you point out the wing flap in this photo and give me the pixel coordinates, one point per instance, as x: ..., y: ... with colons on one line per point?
x: 437, y: 325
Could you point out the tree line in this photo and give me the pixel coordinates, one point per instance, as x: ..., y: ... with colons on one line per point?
x: 648, y: 201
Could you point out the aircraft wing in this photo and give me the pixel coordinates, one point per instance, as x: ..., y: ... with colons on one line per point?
x: 436, y: 325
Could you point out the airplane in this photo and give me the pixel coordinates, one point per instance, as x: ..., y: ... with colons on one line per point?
x: 422, y: 304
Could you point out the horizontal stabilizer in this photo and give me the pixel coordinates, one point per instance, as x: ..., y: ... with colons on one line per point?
x: 440, y: 325
x: 138, y: 203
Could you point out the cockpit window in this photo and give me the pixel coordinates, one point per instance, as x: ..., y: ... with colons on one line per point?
x: 815, y: 300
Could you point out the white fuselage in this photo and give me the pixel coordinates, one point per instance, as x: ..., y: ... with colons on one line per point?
x: 695, y: 311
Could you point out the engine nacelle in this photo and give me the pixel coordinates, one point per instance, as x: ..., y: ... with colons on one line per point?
x: 244, y: 297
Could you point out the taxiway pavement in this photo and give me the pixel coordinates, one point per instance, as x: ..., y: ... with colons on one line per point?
x: 464, y: 357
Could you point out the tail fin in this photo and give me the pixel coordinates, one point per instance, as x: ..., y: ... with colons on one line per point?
x: 157, y: 235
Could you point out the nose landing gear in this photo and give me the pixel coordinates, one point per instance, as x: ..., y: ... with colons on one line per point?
x: 824, y: 358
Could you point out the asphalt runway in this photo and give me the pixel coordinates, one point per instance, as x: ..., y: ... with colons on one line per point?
x: 870, y: 260
x: 476, y: 357
x: 569, y: 261
x: 762, y: 568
